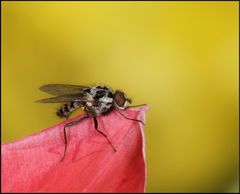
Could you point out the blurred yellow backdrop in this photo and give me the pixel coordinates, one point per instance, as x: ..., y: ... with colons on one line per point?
x: 179, y: 57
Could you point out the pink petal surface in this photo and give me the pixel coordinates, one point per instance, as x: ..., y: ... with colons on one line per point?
x: 90, y: 165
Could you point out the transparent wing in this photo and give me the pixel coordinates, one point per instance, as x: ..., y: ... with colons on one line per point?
x: 80, y: 97
x: 61, y: 89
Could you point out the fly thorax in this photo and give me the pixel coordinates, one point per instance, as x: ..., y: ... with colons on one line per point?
x: 102, y: 100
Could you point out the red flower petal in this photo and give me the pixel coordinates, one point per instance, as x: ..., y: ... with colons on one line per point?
x: 90, y: 165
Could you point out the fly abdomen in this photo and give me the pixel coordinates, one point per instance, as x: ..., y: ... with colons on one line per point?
x: 66, y: 109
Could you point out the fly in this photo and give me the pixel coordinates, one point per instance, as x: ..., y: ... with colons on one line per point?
x: 95, y: 101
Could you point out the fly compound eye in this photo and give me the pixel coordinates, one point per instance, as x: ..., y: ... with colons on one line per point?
x: 120, y: 100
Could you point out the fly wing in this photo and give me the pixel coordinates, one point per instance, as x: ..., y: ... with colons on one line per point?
x: 80, y: 97
x: 62, y: 89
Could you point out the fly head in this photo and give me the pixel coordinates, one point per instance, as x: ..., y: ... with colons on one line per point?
x: 121, y: 100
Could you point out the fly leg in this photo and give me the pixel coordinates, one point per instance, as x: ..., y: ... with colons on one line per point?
x: 65, y: 134
x: 136, y: 106
x: 96, y: 127
x: 130, y: 118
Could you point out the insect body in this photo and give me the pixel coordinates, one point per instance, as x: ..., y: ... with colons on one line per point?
x: 66, y: 109
x: 95, y: 101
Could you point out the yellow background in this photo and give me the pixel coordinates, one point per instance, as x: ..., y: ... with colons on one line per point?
x: 179, y: 57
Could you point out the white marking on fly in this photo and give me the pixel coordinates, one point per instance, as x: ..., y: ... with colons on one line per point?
x: 89, y: 103
x: 106, y: 99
